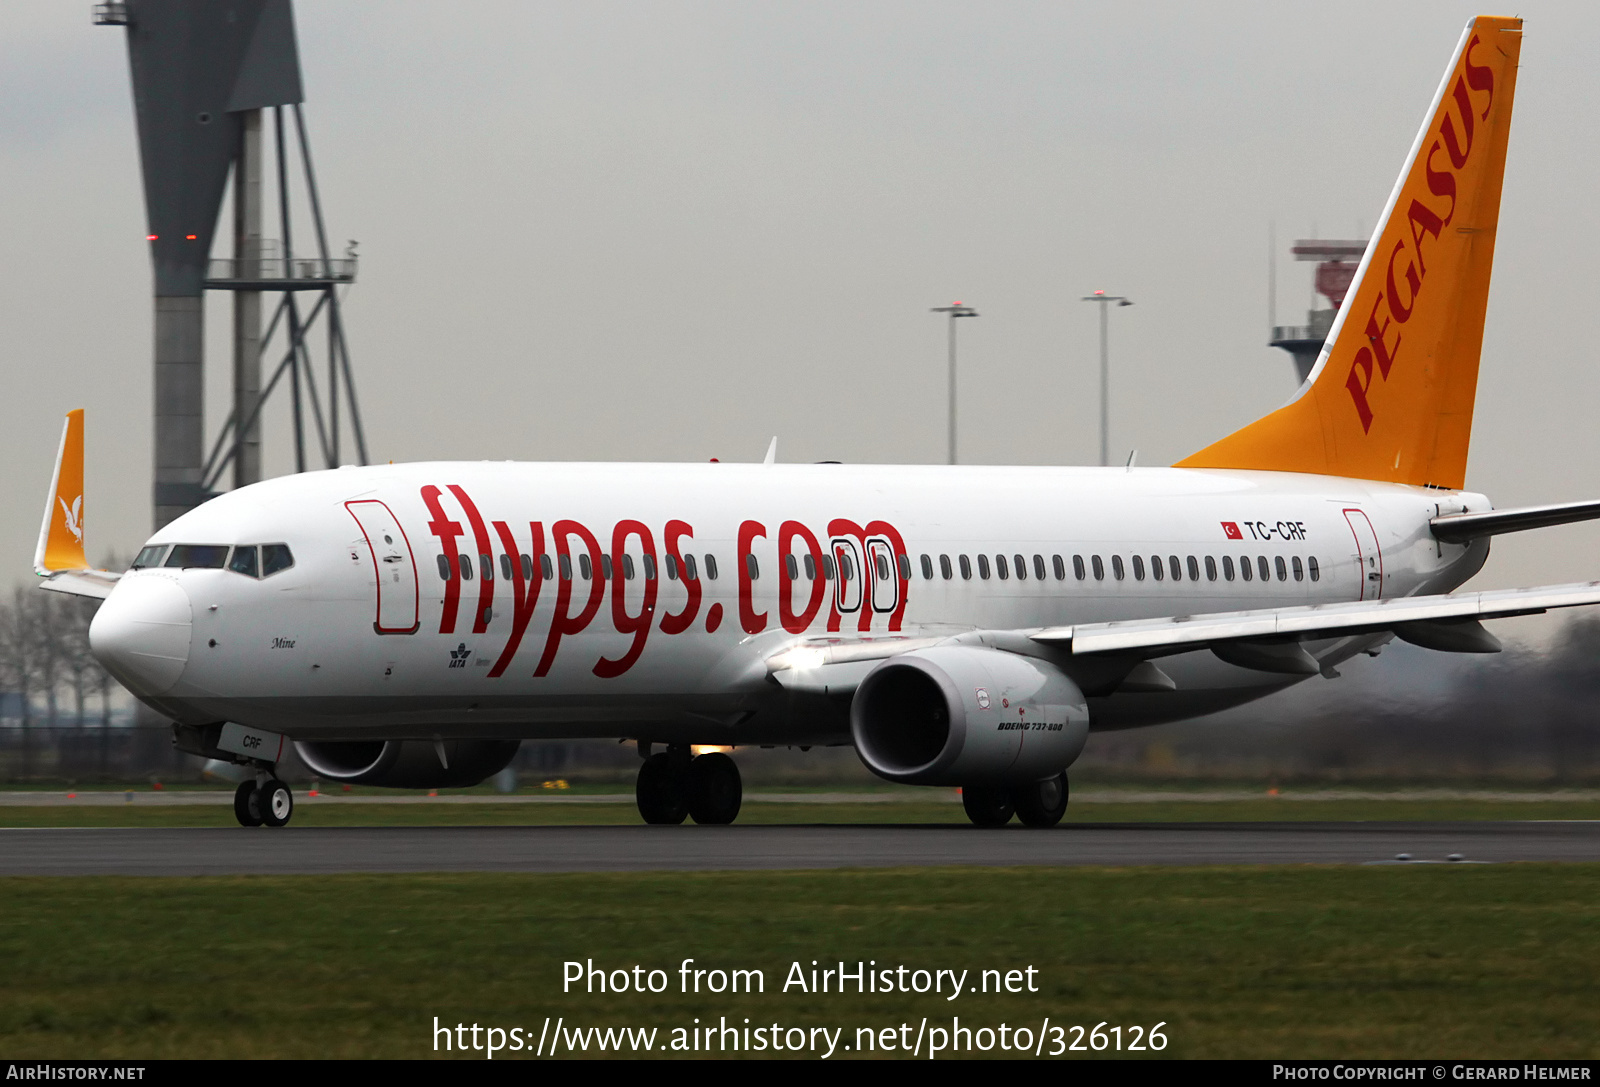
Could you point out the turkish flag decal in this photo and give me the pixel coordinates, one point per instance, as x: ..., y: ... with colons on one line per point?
x: 1231, y: 530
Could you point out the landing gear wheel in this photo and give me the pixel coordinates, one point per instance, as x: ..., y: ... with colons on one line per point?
x: 1042, y: 803
x: 275, y: 803
x: 715, y: 789
x: 244, y: 805
x: 987, y: 806
x: 660, y: 791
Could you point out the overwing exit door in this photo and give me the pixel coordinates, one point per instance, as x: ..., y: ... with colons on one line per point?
x: 1368, y: 557
x: 393, y: 565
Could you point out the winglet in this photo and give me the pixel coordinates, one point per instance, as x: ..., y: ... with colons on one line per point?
x: 61, y: 534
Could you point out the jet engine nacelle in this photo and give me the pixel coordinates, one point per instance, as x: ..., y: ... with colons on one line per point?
x: 959, y: 715
x: 407, y: 764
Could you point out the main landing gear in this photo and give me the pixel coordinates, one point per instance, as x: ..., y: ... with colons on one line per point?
x: 264, y: 801
x: 1037, y: 804
x: 673, y: 784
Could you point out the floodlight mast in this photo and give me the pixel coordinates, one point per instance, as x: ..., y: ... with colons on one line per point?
x: 954, y: 310
x: 1105, y: 371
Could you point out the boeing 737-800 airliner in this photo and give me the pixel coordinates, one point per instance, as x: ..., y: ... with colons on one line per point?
x: 408, y: 625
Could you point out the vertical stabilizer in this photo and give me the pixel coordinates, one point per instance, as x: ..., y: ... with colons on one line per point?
x: 1391, y: 395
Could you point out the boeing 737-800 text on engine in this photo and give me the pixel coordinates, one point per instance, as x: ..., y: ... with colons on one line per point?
x: 408, y: 625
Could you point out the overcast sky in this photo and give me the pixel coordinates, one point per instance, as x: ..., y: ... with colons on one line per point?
x: 651, y: 231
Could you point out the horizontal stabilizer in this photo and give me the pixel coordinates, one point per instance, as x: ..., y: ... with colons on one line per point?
x: 1462, y: 527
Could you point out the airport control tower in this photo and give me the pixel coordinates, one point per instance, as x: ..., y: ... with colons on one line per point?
x: 213, y: 82
x: 1336, y: 267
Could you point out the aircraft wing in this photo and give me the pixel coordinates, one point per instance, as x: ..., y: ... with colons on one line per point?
x: 1267, y: 639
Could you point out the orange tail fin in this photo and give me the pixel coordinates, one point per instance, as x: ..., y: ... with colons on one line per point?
x: 1391, y: 395
x: 61, y: 535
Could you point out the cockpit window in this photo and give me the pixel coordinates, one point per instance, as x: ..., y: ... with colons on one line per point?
x: 198, y: 556
x: 275, y: 557
x: 150, y: 556
x: 244, y: 562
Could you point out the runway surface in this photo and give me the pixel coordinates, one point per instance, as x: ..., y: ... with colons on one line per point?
x: 322, y: 850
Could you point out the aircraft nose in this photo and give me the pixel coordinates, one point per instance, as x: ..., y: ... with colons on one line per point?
x: 141, y: 633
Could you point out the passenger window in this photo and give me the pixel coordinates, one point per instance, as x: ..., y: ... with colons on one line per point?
x: 792, y: 567
x: 1116, y: 567
x: 585, y: 567
x: 198, y: 557
x: 751, y: 567
x: 465, y: 562
x: 505, y: 567
x: 1283, y: 571
x: 671, y: 563
x: 883, y: 568
x: 711, y: 567
x: 244, y: 562
x: 811, y: 567
x: 847, y: 568
x: 1038, y: 567
x: 1245, y: 569
x: 944, y: 567
x: 649, y: 567
x: 1227, y: 567
x: 927, y: 568
x: 1261, y: 565
x: 566, y: 567
x: 275, y: 557
x: 1194, y: 569
x: 1299, y: 570
x: 983, y: 567
x: 1060, y: 567
x: 966, y: 568
x: 1211, y: 568
x: 1311, y: 562
x: 627, y: 567
x: 545, y: 568
x: 828, y: 570
x: 689, y: 571
x: 905, y: 567
x: 1156, y: 569
x: 1176, y: 567
x: 1099, y: 568
x: 1022, y: 567
x: 486, y: 564
x: 1138, y: 568
x: 149, y: 556
x: 605, y: 567
x: 527, y: 567
x: 1077, y: 567
x: 444, y: 568
x: 1001, y: 567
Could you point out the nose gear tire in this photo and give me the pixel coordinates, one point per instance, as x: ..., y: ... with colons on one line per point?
x: 244, y: 805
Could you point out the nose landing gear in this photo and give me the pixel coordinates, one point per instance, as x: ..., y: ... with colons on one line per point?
x: 673, y: 785
x: 265, y: 801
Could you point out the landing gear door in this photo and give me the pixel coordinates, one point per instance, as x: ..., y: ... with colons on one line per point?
x: 393, y: 564
x: 1369, y: 558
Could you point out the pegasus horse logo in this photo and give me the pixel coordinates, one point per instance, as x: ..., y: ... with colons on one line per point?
x: 73, y: 514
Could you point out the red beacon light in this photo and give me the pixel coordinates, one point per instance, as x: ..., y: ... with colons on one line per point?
x: 150, y: 237
x: 190, y: 237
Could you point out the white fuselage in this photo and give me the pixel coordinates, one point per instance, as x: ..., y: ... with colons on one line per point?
x: 363, y: 636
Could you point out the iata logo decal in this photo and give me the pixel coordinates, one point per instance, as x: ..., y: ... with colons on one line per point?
x: 459, y: 655
x: 1231, y: 530
x: 1444, y: 157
